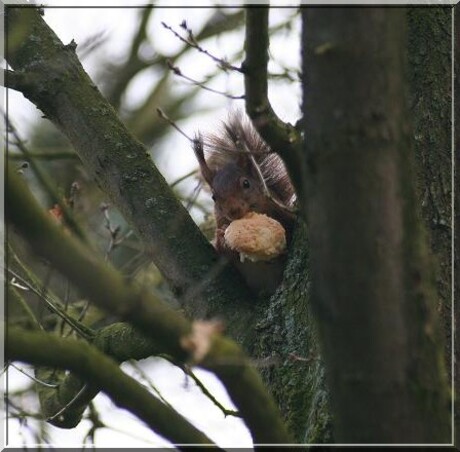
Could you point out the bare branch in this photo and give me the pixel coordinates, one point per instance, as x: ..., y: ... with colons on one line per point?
x: 36, y: 380
x: 45, y: 182
x: 90, y: 364
x: 184, y: 177
x: 120, y: 164
x: 64, y: 155
x: 162, y: 115
x: 179, y: 73
x: 192, y: 42
x: 188, y: 371
x: 281, y: 137
x: 168, y: 328
x: 54, y: 306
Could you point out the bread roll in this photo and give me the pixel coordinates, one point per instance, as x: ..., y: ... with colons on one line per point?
x: 256, y: 237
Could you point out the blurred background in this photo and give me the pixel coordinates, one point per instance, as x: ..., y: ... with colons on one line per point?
x: 179, y: 60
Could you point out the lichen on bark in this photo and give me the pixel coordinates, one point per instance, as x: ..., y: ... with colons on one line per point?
x: 285, y: 344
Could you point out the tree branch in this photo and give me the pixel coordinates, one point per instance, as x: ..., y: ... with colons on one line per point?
x: 106, y: 288
x: 179, y: 73
x: 192, y: 42
x: 101, y: 283
x: 281, y: 137
x: 121, y: 342
x: 91, y: 365
x: 46, y: 183
x: 119, y: 163
x: 16, y: 80
x: 45, y: 155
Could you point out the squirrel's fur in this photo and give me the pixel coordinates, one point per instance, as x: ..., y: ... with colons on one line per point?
x: 232, y: 163
x: 236, y: 137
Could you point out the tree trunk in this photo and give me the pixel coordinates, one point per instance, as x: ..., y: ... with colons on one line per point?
x: 431, y: 90
x: 430, y: 84
x: 457, y: 222
x: 372, y: 285
x: 285, y: 343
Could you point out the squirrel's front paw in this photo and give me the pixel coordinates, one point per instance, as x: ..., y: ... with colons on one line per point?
x: 219, y: 241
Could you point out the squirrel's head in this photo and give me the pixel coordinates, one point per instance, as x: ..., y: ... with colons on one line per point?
x: 236, y: 190
x: 240, y: 170
x: 235, y: 187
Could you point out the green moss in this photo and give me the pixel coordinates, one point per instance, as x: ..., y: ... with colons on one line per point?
x: 430, y: 93
x: 428, y: 280
x: 285, y: 334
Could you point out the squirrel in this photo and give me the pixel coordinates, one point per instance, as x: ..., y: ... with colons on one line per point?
x: 244, y: 176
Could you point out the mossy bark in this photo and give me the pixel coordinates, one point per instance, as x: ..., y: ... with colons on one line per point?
x: 121, y: 342
x: 84, y: 360
x: 431, y: 94
x: 430, y: 91
x: 373, y: 289
x: 457, y: 223
x: 286, y: 346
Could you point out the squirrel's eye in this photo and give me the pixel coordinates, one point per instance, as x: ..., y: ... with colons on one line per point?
x: 213, y: 197
x: 245, y: 183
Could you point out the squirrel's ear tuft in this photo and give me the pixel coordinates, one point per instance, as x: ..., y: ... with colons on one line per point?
x: 245, y: 163
x: 198, y: 148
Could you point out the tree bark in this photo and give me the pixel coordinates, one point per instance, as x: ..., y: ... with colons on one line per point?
x: 100, y: 370
x: 285, y: 337
x: 457, y: 223
x: 372, y: 283
x: 430, y: 94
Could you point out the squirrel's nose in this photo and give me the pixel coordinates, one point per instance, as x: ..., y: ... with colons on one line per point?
x: 235, y: 213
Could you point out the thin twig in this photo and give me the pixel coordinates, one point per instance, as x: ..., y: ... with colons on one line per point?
x: 140, y: 256
x: 162, y: 115
x: 93, y: 416
x: 44, y: 155
x: 191, y: 201
x: 66, y: 303
x: 40, y: 382
x: 179, y: 73
x: 113, y: 231
x: 83, y: 311
x: 20, y: 299
x: 91, y: 43
x: 21, y: 413
x: 191, y: 42
x: 20, y: 144
x: 68, y: 405
x: 55, y: 308
x: 15, y: 283
x: 182, y: 178
x: 208, y: 394
x: 149, y: 383
x: 130, y: 434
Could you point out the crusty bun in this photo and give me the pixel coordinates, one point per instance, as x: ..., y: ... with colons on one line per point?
x: 256, y: 237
